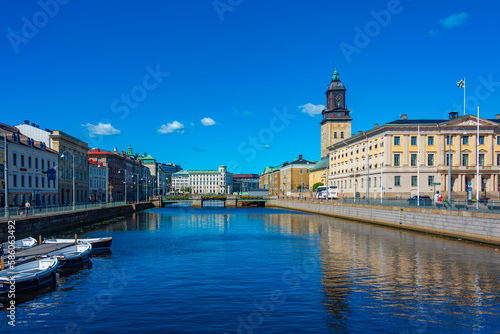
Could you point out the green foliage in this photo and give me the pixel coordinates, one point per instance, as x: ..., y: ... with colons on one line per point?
x: 316, y: 185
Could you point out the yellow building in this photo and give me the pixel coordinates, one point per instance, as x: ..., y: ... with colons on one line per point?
x: 319, y: 173
x: 407, y: 156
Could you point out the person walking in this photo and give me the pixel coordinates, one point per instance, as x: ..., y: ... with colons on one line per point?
x: 27, y: 206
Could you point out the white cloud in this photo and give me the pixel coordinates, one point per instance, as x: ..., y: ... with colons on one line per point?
x: 207, y: 121
x: 102, y: 129
x: 454, y: 20
x: 311, y: 109
x: 171, y: 127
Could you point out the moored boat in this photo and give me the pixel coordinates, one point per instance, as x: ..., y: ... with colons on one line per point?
x: 72, y: 256
x: 21, y: 244
x: 97, y: 243
x: 30, y: 275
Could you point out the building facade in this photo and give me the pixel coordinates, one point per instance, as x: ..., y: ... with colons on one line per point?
x: 211, y: 181
x: 31, y: 170
x: 180, y: 181
x: 403, y: 157
x: 295, y: 175
x: 72, y: 163
x: 97, y: 181
x: 245, y: 182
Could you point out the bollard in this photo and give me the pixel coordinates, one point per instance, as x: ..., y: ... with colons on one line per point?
x: 75, y: 240
x: 1, y: 263
x: 39, y: 239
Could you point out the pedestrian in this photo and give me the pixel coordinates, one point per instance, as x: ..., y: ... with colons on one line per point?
x: 27, y: 206
x: 436, y: 197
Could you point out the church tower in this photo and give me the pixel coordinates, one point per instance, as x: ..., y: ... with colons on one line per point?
x: 336, y: 123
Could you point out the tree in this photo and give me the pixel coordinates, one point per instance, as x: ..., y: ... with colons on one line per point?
x: 316, y: 185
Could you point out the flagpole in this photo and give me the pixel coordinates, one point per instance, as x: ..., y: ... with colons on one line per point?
x: 464, y: 96
x: 477, y: 161
x: 418, y: 166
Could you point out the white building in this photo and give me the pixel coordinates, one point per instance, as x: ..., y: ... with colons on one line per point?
x: 180, y: 180
x: 32, y: 167
x: 211, y: 181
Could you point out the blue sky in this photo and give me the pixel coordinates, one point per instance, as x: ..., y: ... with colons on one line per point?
x: 204, y: 83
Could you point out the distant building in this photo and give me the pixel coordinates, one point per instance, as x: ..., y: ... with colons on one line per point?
x: 206, y: 181
x: 97, y: 181
x: 287, y: 177
x: 180, y: 181
x: 245, y: 182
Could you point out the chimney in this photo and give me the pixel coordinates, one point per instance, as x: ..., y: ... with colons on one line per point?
x: 115, y: 150
x: 353, y: 135
x: 300, y: 156
x: 47, y: 130
x: 453, y: 114
x: 376, y: 125
x: 360, y: 133
x: 33, y: 124
x: 404, y: 117
x: 38, y: 126
x: 27, y: 122
x: 498, y: 116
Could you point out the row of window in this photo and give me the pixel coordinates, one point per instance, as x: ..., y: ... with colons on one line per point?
x: 372, y: 145
x: 39, y: 181
x: 30, y: 162
x: 431, y: 159
x: 68, y: 174
x: 372, y: 181
x: 79, y: 160
x: 449, y: 139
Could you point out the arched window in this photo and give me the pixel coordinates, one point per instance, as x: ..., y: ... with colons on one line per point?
x: 335, y: 135
x: 342, y: 134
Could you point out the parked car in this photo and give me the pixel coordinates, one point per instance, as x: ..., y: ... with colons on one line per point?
x: 424, y: 200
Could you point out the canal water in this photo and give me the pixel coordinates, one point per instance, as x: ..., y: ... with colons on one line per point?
x: 257, y: 270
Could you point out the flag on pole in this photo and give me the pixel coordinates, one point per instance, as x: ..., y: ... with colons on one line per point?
x: 461, y: 84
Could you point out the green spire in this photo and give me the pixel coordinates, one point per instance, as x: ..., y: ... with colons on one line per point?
x: 335, y: 75
x: 129, y: 150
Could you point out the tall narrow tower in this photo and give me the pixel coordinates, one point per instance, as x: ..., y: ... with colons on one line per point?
x: 336, y: 123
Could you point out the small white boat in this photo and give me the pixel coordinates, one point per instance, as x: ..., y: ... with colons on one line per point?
x: 75, y: 255
x: 21, y: 244
x: 97, y: 243
x: 29, y: 275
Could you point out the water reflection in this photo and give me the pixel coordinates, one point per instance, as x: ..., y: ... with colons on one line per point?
x: 376, y: 273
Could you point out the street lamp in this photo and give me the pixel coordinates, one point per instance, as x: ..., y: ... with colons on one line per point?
x: 6, y: 176
x: 125, y: 181
x: 73, y: 176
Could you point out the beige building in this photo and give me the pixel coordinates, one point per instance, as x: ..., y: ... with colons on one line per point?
x: 405, y: 156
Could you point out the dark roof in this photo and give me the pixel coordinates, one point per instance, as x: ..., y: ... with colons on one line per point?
x: 302, y: 162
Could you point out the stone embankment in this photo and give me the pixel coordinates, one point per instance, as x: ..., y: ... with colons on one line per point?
x: 468, y: 225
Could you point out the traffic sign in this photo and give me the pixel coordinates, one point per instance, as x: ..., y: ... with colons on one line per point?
x: 435, y: 184
x: 470, y: 184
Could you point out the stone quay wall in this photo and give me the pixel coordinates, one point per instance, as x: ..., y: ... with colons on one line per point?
x: 467, y: 225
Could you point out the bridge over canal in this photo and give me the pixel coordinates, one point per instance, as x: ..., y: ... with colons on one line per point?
x: 200, y: 201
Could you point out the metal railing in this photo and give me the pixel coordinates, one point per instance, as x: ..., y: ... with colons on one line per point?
x: 36, y: 211
x: 454, y: 204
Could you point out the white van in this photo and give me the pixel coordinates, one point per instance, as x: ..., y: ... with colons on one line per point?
x: 328, y: 192
x: 319, y: 191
